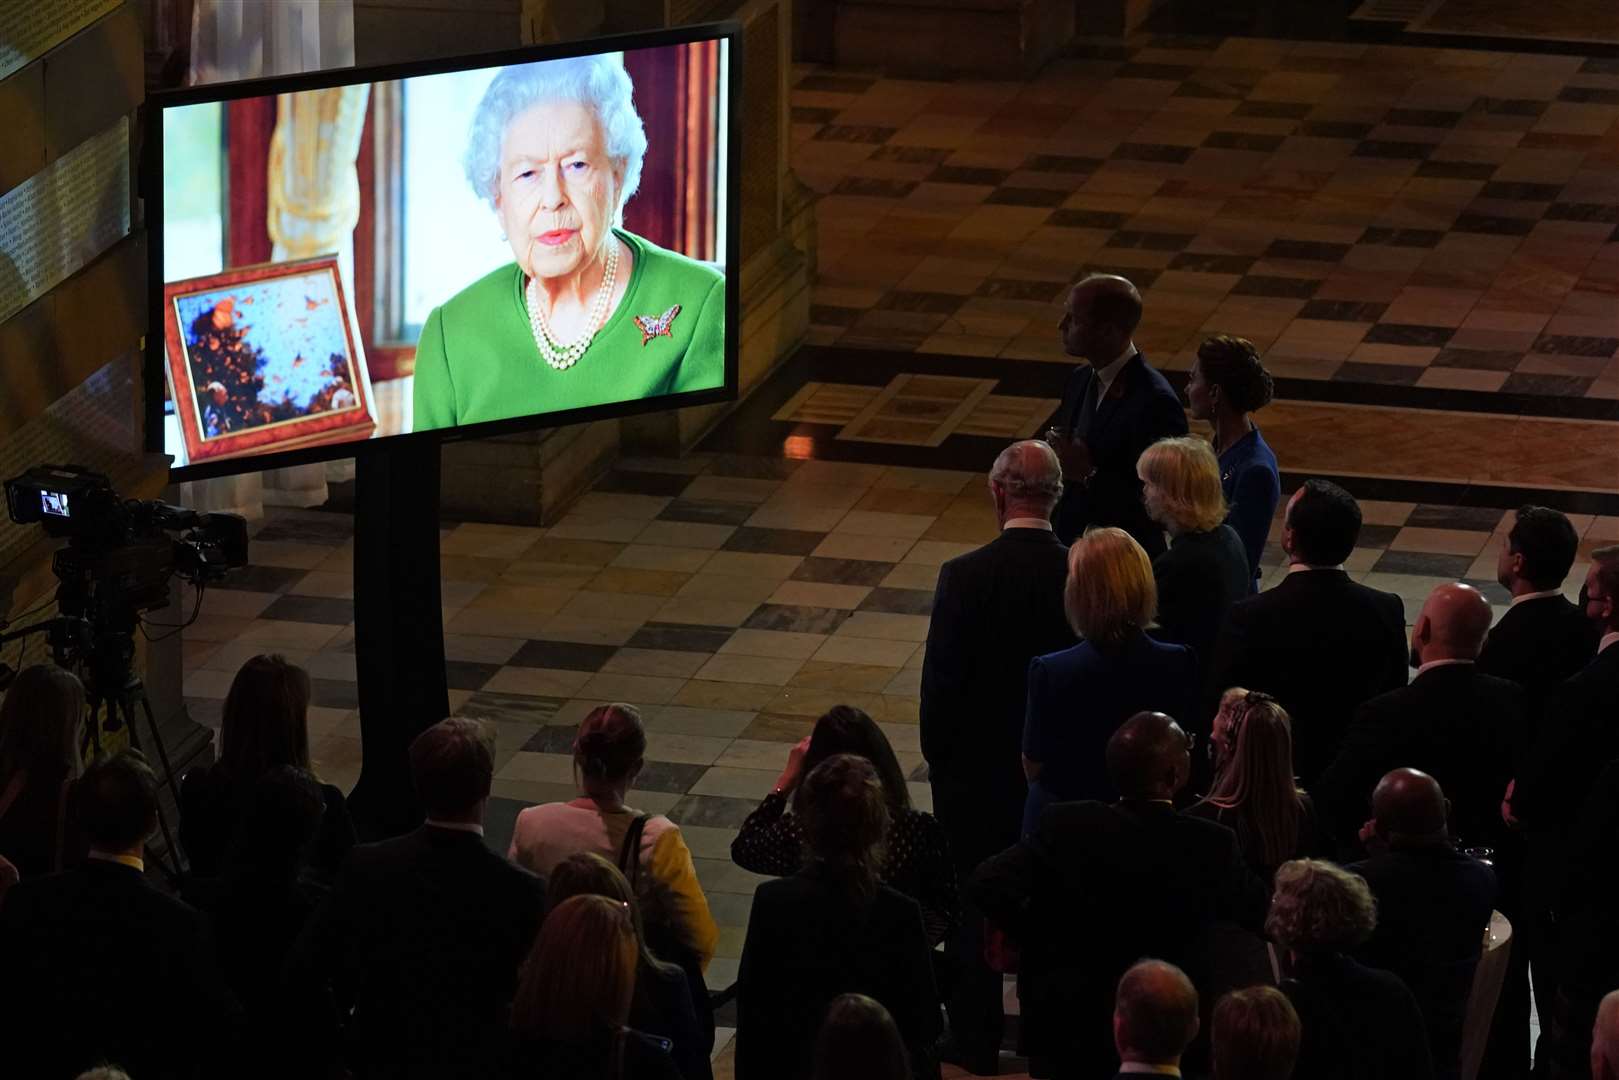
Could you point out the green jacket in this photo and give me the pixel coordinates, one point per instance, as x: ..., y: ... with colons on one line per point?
x: 477, y: 361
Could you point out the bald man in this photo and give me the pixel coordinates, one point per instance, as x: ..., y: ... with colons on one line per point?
x: 1114, y: 407
x: 1155, y: 1018
x: 994, y: 610
x: 1605, y: 1039
x: 1433, y: 905
x: 1453, y: 722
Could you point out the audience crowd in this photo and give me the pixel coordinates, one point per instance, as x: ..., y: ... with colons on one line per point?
x: 1209, y: 828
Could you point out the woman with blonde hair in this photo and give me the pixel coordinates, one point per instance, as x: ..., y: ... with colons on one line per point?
x: 1205, y: 568
x: 1254, y: 793
x: 41, y: 730
x: 571, y: 1011
x: 1079, y: 697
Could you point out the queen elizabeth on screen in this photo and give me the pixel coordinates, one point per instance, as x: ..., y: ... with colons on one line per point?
x: 587, y: 313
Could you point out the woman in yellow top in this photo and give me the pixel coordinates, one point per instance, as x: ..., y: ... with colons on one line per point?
x: 587, y: 313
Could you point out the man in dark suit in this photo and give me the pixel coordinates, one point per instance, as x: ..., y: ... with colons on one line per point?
x: 1114, y: 407
x: 1318, y: 642
x: 1155, y: 1018
x: 1433, y: 906
x: 1588, y: 928
x: 1453, y: 722
x: 994, y: 610
x: 1098, y: 886
x: 100, y: 965
x: 423, y: 934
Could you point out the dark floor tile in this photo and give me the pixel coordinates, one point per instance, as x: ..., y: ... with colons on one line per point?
x: 899, y: 601
x: 1286, y: 287
x: 1042, y: 292
x: 730, y: 909
x: 712, y: 811
x: 1273, y: 110
x: 252, y: 578
x: 1164, y: 72
x: 828, y: 315
x: 1519, y: 189
x: 668, y: 776
x: 1404, y: 334
x: 1589, y: 95
x: 704, y: 512
x: 311, y: 609
x: 1212, y: 89
x: 1494, y: 225
x: 1167, y: 155
x: 754, y: 467
x: 1306, y: 249
x: 1509, y: 106
x: 334, y: 693
x: 774, y: 541
x: 1343, y: 310
x: 1394, y: 150
x: 510, y: 708
x: 333, y: 529
x: 795, y: 618
x: 1478, y: 359
x: 562, y: 655
x: 1467, y: 518
x: 1199, y: 263
x: 1425, y: 563
x: 1600, y: 65
x: 911, y: 155
x: 803, y: 114
x: 1381, y: 374
x: 500, y: 823
x: 927, y: 303
x: 1243, y: 140
x: 1571, y: 345
x: 1376, y: 536
x: 1605, y: 213
x: 1150, y: 241
x: 466, y: 675
x: 1016, y: 196
x: 1098, y: 50
x: 552, y: 739
x: 964, y: 174
x: 1435, y: 118
x: 880, y: 187
x: 1492, y: 590
x: 855, y: 133
x: 836, y: 84
x: 842, y: 571
x: 679, y: 637
x: 1456, y: 170
x: 1069, y: 218
x: 1335, y: 129
x: 1419, y: 238
x: 1550, y: 385
x: 629, y: 482
x: 1061, y: 163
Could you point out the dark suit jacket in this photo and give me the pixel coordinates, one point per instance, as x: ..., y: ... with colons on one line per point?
x: 1199, y: 577
x: 1433, y: 905
x: 101, y: 966
x: 1096, y: 888
x: 1588, y: 907
x: 1456, y: 724
x: 1578, y: 736
x: 211, y: 806
x: 806, y: 945
x: 1538, y: 644
x: 423, y: 935
x: 994, y: 610
x: 1140, y: 408
x: 1357, y: 1023
x: 1321, y: 644
x: 646, y: 1056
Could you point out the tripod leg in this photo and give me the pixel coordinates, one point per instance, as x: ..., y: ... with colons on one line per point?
x: 171, y: 868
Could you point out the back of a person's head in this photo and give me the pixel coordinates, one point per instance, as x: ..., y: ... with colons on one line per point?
x: 611, y: 744
x: 1029, y: 474
x: 844, y: 729
x: 453, y: 766
x: 845, y: 817
x: 1602, y: 599
x: 1184, y: 477
x: 1110, y: 593
x: 103, y: 1072
x: 265, y: 722
x: 41, y: 721
x: 1319, y: 907
x: 578, y: 980
x: 1325, y: 522
x: 1257, y: 776
x: 117, y: 802
x: 586, y: 873
x: 1147, y: 756
x: 1255, y: 1035
x: 1154, y: 1013
x: 1548, y: 543
x: 860, y: 1041
x: 283, y: 813
x: 1605, y: 1039
x: 1232, y: 364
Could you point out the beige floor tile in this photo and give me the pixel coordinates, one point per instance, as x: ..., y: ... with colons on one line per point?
x: 707, y: 842
x: 780, y: 644
x: 706, y: 586
x: 614, y: 605
x: 877, y: 523
x: 551, y: 575
x: 737, y: 783
x: 1439, y: 541
x: 586, y: 630
x: 582, y: 527
x: 815, y: 701
x: 537, y: 682
x: 684, y: 534
x: 908, y: 683
x: 533, y: 792
x: 490, y: 541
x: 237, y: 603
x: 808, y: 518
x: 533, y: 599
x: 764, y: 755
x: 752, y: 564
x: 760, y: 670
x: 682, y: 560
x: 834, y: 675
x: 711, y: 722
x: 600, y: 504
x: 662, y: 662
x: 583, y: 552
x: 820, y: 594
x: 289, y: 555
x: 912, y: 576
x: 872, y: 548
x: 863, y: 646
x: 937, y: 552
x: 684, y: 749
x: 704, y: 694
x: 1376, y: 512
x: 532, y: 768
x: 277, y: 634
x: 617, y: 579
x: 704, y: 612
x: 497, y: 622
x: 611, y: 686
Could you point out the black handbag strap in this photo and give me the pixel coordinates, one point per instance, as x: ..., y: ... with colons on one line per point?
x: 629, y: 856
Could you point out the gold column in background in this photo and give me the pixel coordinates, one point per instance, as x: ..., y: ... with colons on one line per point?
x: 314, y: 188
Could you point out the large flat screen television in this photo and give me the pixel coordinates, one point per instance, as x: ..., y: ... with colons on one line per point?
x: 448, y: 249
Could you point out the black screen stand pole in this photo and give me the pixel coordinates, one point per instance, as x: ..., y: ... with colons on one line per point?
x: 398, y: 626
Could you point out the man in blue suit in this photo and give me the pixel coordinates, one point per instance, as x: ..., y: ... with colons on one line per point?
x: 1114, y: 407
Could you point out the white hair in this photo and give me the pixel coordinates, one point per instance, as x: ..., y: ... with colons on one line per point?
x: 598, y: 82
x: 1029, y: 470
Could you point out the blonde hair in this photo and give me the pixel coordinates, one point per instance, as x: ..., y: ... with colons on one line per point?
x: 42, y: 722
x: 1319, y: 907
x: 579, y: 978
x: 1110, y: 592
x: 1187, y: 476
x: 1256, y: 779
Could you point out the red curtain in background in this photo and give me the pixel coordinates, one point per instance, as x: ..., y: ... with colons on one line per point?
x: 675, y: 94
x: 249, y: 123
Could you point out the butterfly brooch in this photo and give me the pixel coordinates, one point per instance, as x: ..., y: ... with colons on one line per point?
x: 657, y: 325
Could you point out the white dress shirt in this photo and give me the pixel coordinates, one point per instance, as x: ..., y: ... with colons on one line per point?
x: 1026, y: 523
x: 1441, y: 663
x: 457, y: 826
x: 1516, y: 600
x: 1607, y: 639
x: 1110, y: 371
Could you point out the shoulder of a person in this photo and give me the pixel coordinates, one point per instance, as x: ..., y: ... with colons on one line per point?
x: 669, y: 269
x: 658, y: 826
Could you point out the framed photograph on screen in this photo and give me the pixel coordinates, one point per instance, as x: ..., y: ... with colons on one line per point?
x: 263, y: 358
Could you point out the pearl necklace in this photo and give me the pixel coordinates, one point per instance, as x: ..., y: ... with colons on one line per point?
x: 560, y: 356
